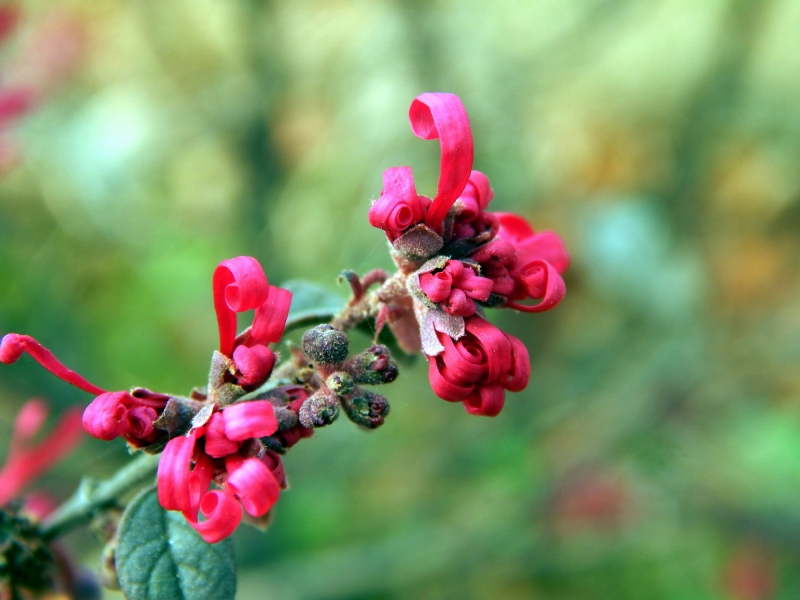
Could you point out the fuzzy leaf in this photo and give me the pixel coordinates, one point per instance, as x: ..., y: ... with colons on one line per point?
x: 160, y: 556
x: 311, y: 303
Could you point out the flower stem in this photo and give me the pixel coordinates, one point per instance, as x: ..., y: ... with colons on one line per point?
x: 93, y: 495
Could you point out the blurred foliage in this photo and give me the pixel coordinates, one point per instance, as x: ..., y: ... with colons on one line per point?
x: 656, y: 452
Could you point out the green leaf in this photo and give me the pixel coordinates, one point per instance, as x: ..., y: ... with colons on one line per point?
x: 311, y: 303
x: 160, y: 557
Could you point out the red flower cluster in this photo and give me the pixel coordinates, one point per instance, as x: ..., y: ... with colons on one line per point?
x: 223, y: 448
x: 477, y: 368
x: 484, y: 259
x: 225, y: 451
x: 239, y: 285
x: 456, y: 287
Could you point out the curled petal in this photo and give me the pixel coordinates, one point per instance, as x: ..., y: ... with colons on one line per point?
x: 399, y: 207
x: 481, y: 187
x: 239, y: 284
x: 270, y: 319
x: 495, y: 344
x: 455, y: 268
x: 546, y: 245
x: 254, y: 363
x: 443, y: 384
x: 520, y: 371
x: 202, y: 474
x: 458, y: 304
x: 468, y: 209
x: 502, y: 282
x: 436, y: 285
x: 443, y: 116
x: 174, y: 474
x: 106, y: 417
x: 474, y: 286
x: 466, y: 360
x: 223, y: 515
x: 144, y: 397
x: 217, y: 443
x: 254, y: 485
x: 487, y: 401
x: 513, y: 228
x: 550, y: 286
x: 275, y: 465
x: 140, y: 420
x: 248, y: 420
x: 498, y: 251
x: 13, y: 345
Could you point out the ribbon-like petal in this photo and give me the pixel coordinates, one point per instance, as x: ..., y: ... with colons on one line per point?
x: 239, y: 284
x: 270, y: 319
x: 548, y: 284
x: 217, y: 443
x: 487, y: 401
x: 13, y: 345
x: 174, y: 474
x: 248, y: 420
x: 254, y: 485
x: 223, y: 514
x: 443, y: 116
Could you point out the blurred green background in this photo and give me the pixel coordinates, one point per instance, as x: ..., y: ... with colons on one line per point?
x: 656, y: 451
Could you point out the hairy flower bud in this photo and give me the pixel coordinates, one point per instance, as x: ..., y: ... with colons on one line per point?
x: 373, y: 366
x: 340, y: 383
x: 320, y: 409
x: 366, y: 408
x: 325, y: 345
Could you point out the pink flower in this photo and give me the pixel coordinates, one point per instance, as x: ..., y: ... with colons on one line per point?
x: 127, y: 414
x: 223, y: 451
x: 456, y: 287
x: 399, y: 207
x: 477, y: 368
x: 432, y: 116
x: 110, y: 414
x: 239, y: 284
x: 27, y: 460
x: 523, y: 264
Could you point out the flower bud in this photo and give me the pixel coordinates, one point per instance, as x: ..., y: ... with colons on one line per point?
x: 106, y: 417
x: 373, y: 366
x: 325, y: 345
x: 340, y: 383
x: 319, y: 410
x: 254, y: 365
x: 366, y: 408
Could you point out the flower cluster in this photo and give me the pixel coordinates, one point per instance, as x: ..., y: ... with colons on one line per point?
x: 224, y: 450
x: 221, y: 445
x: 220, y: 437
x: 458, y: 258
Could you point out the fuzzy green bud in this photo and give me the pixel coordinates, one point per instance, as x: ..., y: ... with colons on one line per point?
x: 373, y: 366
x: 366, y: 408
x: 319, y: 410
x: 325, y: 345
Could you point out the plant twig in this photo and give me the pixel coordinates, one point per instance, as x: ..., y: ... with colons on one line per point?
x: 93, y: 495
